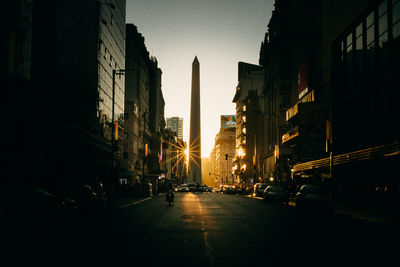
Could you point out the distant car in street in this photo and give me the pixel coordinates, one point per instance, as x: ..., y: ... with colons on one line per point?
x: 276, y: 193
x: 258, y: 189
x: 314, y: 196
x: 192, y: 187
x: 184, y: 188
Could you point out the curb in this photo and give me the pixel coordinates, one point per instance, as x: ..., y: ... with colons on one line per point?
x: 134, y: 203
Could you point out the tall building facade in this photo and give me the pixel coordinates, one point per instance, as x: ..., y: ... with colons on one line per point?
x: 75, y: 93
x: 175, y: 124
x: 16, y: 80
x: 334, y: 94
x: 195, y: 126
x: 156, y: 117
x: 224, y: 155
x: 249, y: 123
x: 144, y: 112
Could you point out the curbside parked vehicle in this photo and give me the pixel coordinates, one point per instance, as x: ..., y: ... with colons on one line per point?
x: 314, y: 197
x: 258, y: 189
x: 276, y: 193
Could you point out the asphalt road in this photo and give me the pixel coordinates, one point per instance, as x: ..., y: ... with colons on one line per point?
x: 210, y: 229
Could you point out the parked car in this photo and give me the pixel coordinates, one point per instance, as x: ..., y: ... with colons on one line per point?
x: 192, y: 187
x: 314, y: 196
x: 206, y: 188
x: 258, y: 189
x: 230, y: 189
x: 36, y: 206
x: 245, y: 190
x: 276, y: 193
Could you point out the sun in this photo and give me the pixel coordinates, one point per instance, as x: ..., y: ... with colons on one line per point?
x: 187, y: 154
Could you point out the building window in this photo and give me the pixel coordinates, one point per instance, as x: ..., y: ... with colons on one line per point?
x: 244, y: 107
x: 349, y: 61
x: 382, y: 24
x: 396, y: 18
x: 370, y: 31
x: 349, y: 42
x: 359, y: 39
x: 382, y: 35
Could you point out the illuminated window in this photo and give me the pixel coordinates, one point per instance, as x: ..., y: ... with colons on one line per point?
x: 244, y: 118
x: 244, y: 107
x: 244, y: 130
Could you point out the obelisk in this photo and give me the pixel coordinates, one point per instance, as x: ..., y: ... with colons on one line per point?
x: 195, y: 130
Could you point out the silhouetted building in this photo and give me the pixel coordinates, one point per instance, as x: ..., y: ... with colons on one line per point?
x: 156, y: 117
x: 176, y: 125
x: 366, y: 71
x: 16, y: 81
x: 341, y: 78
x: 137, y: 97
x: 76, y: 45
x: 249, y: 122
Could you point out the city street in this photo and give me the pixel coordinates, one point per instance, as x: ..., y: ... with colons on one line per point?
x: 210, y: 229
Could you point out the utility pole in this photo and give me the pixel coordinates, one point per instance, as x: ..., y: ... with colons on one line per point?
x: 226, y: 156
x: 144, y: 144
x: 227, y: 171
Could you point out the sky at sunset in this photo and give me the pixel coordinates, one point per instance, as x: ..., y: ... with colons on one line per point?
x: 220, y: 33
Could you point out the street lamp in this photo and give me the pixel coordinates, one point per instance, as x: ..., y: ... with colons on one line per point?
x: 276, y: 151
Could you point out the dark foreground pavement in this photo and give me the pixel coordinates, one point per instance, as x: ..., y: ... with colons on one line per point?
x: 210, y: 230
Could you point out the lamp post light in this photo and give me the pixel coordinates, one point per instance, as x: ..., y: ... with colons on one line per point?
x: 276, y: 151
x: 144, y: 144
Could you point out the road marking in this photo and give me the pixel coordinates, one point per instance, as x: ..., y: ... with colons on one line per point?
x: 134, y: 203
x: 205, y: 236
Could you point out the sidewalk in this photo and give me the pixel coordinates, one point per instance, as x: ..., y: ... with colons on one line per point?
x: 127, y: 201
x: 388, y: 216
x: 19, y: 226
